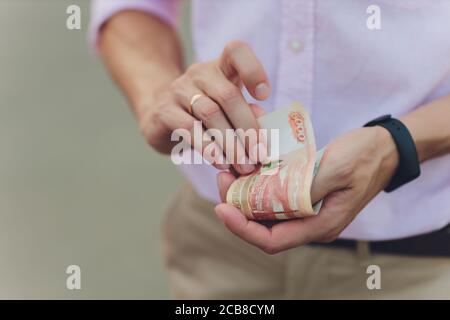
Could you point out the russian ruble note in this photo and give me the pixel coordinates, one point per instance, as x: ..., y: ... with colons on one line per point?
x: 281, y: 188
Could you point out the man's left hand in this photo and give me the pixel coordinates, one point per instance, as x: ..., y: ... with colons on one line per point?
x: 354, y: 169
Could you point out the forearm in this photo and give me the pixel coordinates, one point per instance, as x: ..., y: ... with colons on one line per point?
x: 142, y: 53
x: 429, y: 126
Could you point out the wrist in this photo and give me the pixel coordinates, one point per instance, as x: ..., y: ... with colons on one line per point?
x: 387, y: 149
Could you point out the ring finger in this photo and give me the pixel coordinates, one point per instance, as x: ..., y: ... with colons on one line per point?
x: 212, y: 117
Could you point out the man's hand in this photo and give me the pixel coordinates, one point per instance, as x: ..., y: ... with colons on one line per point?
x: 222, y: 105
x: 144, y: 56
x: 354, y: 169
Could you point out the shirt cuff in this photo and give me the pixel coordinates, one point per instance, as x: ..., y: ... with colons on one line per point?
x: 102, y: 10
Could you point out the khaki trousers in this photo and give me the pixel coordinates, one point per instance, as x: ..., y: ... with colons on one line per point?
x: 205, y: 261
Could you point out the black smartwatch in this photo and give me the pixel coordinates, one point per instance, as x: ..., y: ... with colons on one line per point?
x: 409, y: 166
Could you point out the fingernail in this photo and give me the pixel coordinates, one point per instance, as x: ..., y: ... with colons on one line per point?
x: 262, y: 91
x: 222, y: 167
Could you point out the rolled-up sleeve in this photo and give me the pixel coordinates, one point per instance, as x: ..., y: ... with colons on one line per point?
x: 102, y: 10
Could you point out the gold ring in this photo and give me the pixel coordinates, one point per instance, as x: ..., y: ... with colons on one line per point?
x: 193, y: 101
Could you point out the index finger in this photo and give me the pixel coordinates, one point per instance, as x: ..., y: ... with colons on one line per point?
x: 238, y: 58
x: 224, y: 181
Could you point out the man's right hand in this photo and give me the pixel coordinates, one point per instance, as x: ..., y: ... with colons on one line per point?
x: 222, y: 105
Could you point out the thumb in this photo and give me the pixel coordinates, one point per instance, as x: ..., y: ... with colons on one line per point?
x: 324, y: 182
x: 224, y: 181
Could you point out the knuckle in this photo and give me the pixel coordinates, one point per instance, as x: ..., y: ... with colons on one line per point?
x: 186, y: 124
x: 178, y: 89
x: 195, y: 69
x: 158, y: 115
x: 233, y: 46
x: 177, y: 84
x: 270, y: 249
x: 147, y: 131
x: 192, y: 68
x: 151, y: 139
x: 228, y: 94
x: 207, y: 110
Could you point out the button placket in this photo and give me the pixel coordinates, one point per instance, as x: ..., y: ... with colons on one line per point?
x: 296, y: 46
x: 295, y: 70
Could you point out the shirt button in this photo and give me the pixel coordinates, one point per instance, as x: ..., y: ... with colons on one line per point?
x: 296, y: 46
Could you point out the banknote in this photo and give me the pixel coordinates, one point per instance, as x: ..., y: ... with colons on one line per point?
x: 281, y: 188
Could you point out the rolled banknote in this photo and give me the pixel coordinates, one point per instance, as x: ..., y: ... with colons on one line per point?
x: 281, y: 188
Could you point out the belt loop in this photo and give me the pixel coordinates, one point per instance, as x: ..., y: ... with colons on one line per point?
x: 362, y: 250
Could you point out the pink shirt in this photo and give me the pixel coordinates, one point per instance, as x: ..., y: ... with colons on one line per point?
x: 323, y: 54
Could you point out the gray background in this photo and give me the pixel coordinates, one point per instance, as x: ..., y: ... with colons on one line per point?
x: 78, y: 185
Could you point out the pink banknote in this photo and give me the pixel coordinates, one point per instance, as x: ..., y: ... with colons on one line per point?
x: 281, y: 188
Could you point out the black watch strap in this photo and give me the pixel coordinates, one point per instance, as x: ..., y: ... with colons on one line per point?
x: 409, y: 166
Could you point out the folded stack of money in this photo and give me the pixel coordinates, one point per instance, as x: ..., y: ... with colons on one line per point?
x: 281, y: 189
